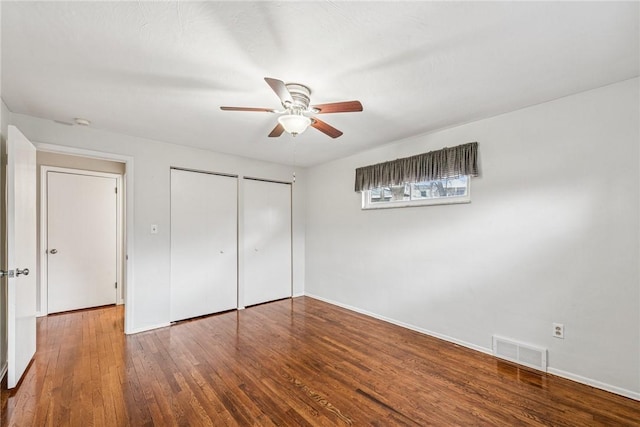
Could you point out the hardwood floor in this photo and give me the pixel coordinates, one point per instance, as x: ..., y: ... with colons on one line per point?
x: 291, y: 362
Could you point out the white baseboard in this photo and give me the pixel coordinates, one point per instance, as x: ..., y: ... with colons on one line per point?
x: 297, y: 295
x: 568, y: 375
x: 594, y: 383
x: 147, y: 328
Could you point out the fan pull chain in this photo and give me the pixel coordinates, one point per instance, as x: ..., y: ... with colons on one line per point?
x: 294, y: 161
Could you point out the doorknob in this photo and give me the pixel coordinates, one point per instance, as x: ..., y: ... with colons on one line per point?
x: 19, y: 272
x: 53, y: 251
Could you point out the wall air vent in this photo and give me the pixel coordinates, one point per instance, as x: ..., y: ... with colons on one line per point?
x: 523, y: 354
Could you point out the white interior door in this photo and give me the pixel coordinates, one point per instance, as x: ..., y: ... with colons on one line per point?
x: 267, y: 241
x: 81, y: 241
x: 21, y: 248
x: 204, y: 254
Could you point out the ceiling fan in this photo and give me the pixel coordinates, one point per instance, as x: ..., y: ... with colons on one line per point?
x: 295, y: 118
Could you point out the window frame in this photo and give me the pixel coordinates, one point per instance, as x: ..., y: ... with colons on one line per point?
x: 452, y: 200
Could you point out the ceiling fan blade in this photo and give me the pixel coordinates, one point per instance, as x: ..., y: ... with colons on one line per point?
x: 280, y: 89
x: 325, y: 128
x: 338, y: 107
x: 277, y: 131
x: 264, y: 110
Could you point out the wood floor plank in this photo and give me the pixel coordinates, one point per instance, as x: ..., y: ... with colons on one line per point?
x: 295, y: 362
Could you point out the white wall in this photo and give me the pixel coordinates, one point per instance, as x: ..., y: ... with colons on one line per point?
x: 152, y: 162
x: 552, y: 235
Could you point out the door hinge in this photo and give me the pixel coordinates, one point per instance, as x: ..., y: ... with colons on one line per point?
x: 116, y: 190
x: 116, y: 285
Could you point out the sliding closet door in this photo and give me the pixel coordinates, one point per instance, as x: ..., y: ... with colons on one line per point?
x: 267, y: 241
x: 203, y: 244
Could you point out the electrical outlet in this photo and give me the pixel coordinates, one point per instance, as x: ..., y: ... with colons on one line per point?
x: 558, y: 330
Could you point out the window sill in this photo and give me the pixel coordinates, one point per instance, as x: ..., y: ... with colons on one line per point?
x: 416, y: 203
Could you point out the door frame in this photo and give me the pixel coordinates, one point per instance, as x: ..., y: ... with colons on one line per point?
x: 44, y: 225
x: 128, y: 220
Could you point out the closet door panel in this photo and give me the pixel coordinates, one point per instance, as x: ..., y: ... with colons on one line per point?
x: 267, y: 241
x: 203, y: 244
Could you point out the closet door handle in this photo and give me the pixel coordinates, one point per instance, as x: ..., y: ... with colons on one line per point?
x: 19, y: 272
x: 53, y: 251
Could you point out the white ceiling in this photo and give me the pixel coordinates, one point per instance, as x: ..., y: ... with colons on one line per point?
x: 161, y: 70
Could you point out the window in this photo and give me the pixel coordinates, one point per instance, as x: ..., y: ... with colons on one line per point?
x: 436, y: 192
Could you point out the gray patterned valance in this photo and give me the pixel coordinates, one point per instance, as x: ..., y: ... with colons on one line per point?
x: 440, y: 164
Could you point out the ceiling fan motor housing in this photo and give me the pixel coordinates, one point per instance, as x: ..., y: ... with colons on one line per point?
x: 301, y: 95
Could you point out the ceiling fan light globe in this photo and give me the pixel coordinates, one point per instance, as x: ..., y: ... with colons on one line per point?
x: 294, y: 124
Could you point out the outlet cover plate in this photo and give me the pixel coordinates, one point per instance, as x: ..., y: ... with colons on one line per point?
x: 558, y: 330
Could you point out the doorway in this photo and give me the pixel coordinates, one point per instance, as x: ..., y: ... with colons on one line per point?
x: 81, y: 229
x: 68, y: 157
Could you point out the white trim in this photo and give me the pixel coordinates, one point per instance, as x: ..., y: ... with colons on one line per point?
x: 240, y: 242
x: 406, y: 325
x: 148, y: 328
x: 63, y: 149
x: 366, y: 206
x: 595, y: 383
x: 44, y: 205
x: 129, y: 283
x: 568, y: 375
